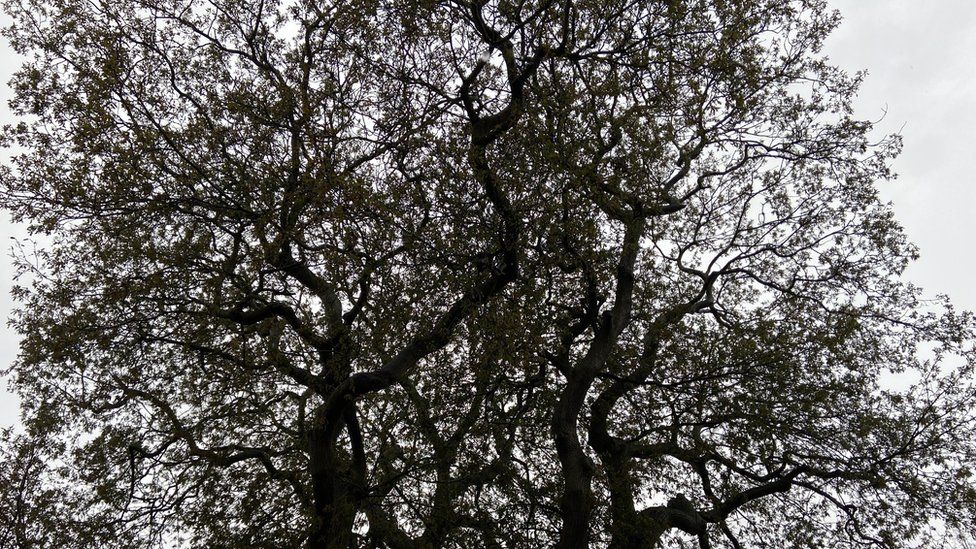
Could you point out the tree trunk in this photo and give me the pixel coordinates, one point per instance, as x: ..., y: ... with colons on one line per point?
x: 576, y: 503
x: 335, y: 513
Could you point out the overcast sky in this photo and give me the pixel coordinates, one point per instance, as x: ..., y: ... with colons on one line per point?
x: 921, y: 63
x: 921, y: 59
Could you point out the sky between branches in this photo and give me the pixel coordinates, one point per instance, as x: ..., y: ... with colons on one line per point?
x: 921, y: 59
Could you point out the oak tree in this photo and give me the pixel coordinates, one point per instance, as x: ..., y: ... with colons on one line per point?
x: 466, y: 273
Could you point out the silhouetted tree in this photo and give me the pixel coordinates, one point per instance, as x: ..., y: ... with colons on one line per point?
x: 424, y: 273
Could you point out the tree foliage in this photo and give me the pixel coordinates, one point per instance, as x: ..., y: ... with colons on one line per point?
x: 467, y: 273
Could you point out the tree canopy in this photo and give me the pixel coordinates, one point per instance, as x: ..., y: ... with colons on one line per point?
x: 467, y: 273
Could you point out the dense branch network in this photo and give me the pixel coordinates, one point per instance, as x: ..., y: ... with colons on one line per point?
x: 461, y: 273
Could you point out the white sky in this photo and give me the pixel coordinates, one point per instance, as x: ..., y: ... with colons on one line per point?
x: 921, y: 62
x: 921, y: 58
